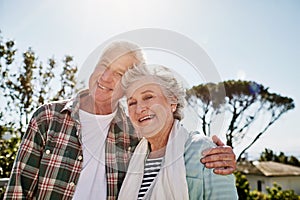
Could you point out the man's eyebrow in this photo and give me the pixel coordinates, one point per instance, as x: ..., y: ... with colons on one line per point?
x: 105, y: 62
x: 122, y: 71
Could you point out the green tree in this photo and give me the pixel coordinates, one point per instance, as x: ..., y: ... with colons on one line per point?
x: 243, y: 103
x: 269, y: 155
x: 25, y: 84
x: 8, y: 150
x: 20, y: 89
x: 67, y: 79
x: 292, y: 160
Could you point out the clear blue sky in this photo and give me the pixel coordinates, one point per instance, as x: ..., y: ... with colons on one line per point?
x: 253, y: 40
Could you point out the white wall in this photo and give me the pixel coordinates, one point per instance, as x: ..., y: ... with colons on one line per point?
x: 286, y: 183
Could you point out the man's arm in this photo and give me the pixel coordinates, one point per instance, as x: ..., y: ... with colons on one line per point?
x: 24, y: 174
x: 221, y: 158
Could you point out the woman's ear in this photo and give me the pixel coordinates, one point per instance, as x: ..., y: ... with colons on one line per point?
x: 174, y: 107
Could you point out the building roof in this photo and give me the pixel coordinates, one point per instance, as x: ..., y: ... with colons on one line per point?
x: 268, y: 168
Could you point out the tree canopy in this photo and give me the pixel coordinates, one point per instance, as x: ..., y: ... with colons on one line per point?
x: 242, y: 103
x: 26, y: 83
x: 269, y: 155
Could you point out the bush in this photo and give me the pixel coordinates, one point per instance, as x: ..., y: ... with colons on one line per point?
x: 273, y: 193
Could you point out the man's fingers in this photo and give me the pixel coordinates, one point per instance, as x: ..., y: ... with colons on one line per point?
x: 217, y: 141
x: 224, y: 171
x: 217, y: 150
x: 221, y: 158
x: 223, y: 168
x: 221, y: 164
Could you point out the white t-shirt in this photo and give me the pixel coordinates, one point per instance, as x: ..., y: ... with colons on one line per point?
x: 92, y: 181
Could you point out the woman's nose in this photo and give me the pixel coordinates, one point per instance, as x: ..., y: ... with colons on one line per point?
x: 141, y: 107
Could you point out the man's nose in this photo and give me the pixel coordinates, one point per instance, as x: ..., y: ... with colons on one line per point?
x: 107, y: 75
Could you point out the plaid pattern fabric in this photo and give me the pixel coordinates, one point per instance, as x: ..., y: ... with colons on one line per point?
x: 119, y: 148
x: 49, y: 160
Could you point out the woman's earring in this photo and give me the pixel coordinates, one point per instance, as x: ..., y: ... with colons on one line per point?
x: 174, y: 109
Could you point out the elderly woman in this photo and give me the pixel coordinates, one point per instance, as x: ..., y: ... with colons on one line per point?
x: 165, y: 164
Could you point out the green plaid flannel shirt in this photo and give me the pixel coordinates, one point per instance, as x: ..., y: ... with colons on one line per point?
x: 49, y: 160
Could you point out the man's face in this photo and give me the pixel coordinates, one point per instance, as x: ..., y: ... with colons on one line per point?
x: 104, y: 83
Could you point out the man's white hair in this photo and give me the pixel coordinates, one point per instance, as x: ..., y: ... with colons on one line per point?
x: 119, y: 48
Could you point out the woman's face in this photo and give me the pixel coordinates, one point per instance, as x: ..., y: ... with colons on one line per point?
x: 149, y: 109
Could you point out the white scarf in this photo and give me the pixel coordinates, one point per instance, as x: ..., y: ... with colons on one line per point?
x: 170, y: 182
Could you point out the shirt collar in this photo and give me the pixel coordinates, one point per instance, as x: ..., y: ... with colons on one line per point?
x: 73, y: 106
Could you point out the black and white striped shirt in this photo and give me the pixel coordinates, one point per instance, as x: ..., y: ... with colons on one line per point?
x: 152, y: 168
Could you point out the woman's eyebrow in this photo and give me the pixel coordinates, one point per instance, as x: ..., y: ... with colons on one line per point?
x: 146, y: 91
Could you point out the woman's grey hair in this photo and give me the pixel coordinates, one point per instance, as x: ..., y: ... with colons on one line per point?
x: 171, y: 87
x: 116, y: 49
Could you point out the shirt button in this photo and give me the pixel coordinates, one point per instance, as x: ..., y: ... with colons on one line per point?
x: 79, y: 157
x: 47, y: 151
x: 72, y: 184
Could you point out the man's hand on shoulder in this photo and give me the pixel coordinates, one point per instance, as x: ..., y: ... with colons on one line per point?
x: 221, y: 158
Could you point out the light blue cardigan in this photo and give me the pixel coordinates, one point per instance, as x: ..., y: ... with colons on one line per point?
x: 202, y: 182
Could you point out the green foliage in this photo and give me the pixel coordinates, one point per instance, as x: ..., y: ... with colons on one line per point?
x: 27, y: 83
x: 242, y: 185
x: 273, y: 193
x: 292, y: 160
x: 256, y: 195
x: 67, y: 79
x: 276, y: 193
x: 269, y: 155
x: 20, y: 87
x: 242, y: 102
x: 8, y: 149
